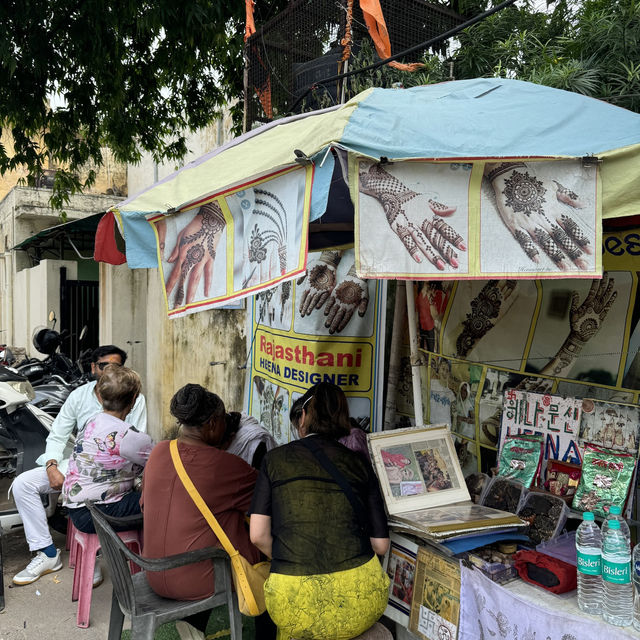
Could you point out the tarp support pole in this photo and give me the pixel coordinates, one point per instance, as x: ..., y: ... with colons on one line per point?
x: 416, y: 359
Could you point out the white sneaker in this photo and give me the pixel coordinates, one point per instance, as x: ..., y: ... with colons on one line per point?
x: 40, y: 565
x: 187, y: 632
x: 98, y: 578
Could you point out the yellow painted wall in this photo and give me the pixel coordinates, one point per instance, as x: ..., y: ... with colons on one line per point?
x: 111, y: 177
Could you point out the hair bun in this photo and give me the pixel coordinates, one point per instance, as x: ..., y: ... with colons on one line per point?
x: 193, y: 405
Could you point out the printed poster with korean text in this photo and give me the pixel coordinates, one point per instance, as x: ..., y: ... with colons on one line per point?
x: 425, y: 220
x: 556, y: 418
x: 328, y: 325
x: 235, y: 243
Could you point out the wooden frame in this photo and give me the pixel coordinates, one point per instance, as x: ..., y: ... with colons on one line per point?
x: 417, y: 468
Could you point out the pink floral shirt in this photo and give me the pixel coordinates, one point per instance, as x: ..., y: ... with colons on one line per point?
x: 106, y: 461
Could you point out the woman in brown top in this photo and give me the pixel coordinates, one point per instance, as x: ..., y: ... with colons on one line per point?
x: 172, y: 522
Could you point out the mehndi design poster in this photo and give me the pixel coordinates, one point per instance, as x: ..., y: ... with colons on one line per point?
x: 565, y: 337
x: 236, y: 243
x: 423, y: 220
x: 327, y: 325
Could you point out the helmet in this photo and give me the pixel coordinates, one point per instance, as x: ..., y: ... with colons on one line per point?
x: 33, y: 371
x: 46, y: 341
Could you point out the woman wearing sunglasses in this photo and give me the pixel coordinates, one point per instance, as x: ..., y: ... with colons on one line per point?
x: 318, y: 513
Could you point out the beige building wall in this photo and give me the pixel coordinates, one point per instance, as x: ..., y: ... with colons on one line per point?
x: 28, y: 293
x: 37, y: 293
x: 171, y: 353
x: 111, y: 177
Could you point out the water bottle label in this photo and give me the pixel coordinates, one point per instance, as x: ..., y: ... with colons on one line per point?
x: 616, y: 572
x: 636, y: 568
x: 589, y: 561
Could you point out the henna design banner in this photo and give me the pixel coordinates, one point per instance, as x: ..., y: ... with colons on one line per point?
x: 235, y: 243
x: 328, y: 325
x: 423, y: 220
x: 572, y: 338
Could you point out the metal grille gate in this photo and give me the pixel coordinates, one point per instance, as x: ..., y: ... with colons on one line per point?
x: 78, y: 307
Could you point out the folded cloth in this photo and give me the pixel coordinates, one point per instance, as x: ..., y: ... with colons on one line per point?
x: 546, y: 572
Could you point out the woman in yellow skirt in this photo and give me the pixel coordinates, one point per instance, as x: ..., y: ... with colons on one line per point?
x: 318, y: 513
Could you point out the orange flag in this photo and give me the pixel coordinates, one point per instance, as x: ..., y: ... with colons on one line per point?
x: 250, y: 25
x: 377, y: 26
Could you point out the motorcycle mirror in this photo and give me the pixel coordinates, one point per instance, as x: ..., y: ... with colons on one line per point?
x: 52, y: 317
x: 83, y: 333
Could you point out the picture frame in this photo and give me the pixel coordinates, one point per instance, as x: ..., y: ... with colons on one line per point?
x: 417, y: 468
x: 400, y: 565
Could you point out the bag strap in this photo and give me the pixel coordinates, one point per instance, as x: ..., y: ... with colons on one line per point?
x: 200, y: 503
x: 312, y: 445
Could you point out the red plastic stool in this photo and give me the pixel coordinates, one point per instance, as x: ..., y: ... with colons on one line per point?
x: 84, y: 547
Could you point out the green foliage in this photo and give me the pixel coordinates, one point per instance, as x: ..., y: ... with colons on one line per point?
x: 136, y: 75
x: 590, y: 47
x: 132, y: 75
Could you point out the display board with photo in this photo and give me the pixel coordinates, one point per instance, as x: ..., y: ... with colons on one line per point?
x: 567, y: 337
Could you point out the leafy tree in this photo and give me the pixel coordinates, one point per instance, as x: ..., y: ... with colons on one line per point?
x: 132, y: 76
x: 590, y: 47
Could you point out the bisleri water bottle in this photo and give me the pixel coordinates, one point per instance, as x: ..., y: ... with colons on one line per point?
x: 588, y: 551
x: 617, y: 600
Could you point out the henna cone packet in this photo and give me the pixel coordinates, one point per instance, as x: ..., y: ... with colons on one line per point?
x: 606, y: 476
x: 520, y: 458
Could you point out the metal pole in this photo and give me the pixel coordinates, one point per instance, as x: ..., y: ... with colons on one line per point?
x: 416, y: 359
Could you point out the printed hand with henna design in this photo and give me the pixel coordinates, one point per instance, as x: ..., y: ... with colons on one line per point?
x: 351, y: 294
x: 161, y: 228
x: 194, y: 253
x: 585, y: 321
x: 432, y: 238
x: 487, y: 308
x: 321, y: 282
x: 527, y: 208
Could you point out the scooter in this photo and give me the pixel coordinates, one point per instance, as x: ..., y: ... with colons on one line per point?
x: 23, y: 432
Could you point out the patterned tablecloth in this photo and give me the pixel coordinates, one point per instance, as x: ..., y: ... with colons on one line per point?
x: 520, y: 611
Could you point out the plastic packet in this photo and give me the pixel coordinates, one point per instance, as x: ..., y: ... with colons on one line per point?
x: 606, y: 476
x: 520, y: 458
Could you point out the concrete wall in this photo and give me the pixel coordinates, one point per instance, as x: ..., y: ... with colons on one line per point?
x: 36, y: 293
x: 171, y: 353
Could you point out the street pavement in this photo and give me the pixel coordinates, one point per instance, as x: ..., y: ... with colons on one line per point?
x: 43, y: 610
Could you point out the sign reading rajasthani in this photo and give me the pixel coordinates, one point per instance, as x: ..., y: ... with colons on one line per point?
x: 557, y: 419
x: 234, y: 243
x: 423, y: 220
x: 327, y: 328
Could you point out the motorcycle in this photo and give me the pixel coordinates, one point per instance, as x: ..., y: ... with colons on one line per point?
x: 24, y: 428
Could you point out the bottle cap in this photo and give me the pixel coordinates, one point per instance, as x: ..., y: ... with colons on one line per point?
x: 588, y: 515
x: 614, y: 524
x: 615, y: 510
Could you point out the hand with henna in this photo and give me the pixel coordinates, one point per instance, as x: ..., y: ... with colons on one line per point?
x: 194, y: 253
x: 585, y: 320
x: 161, y: 228
x: 529, y: 209
x: 321, y: 280
x: 491, y: 304
x: 351, y: 294
x: 431, y: 238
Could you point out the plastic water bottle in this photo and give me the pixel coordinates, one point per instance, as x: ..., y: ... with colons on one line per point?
x: 588, y: 550
x: 635, y: 570
x: 617, y: 601
x: 614, y: 514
